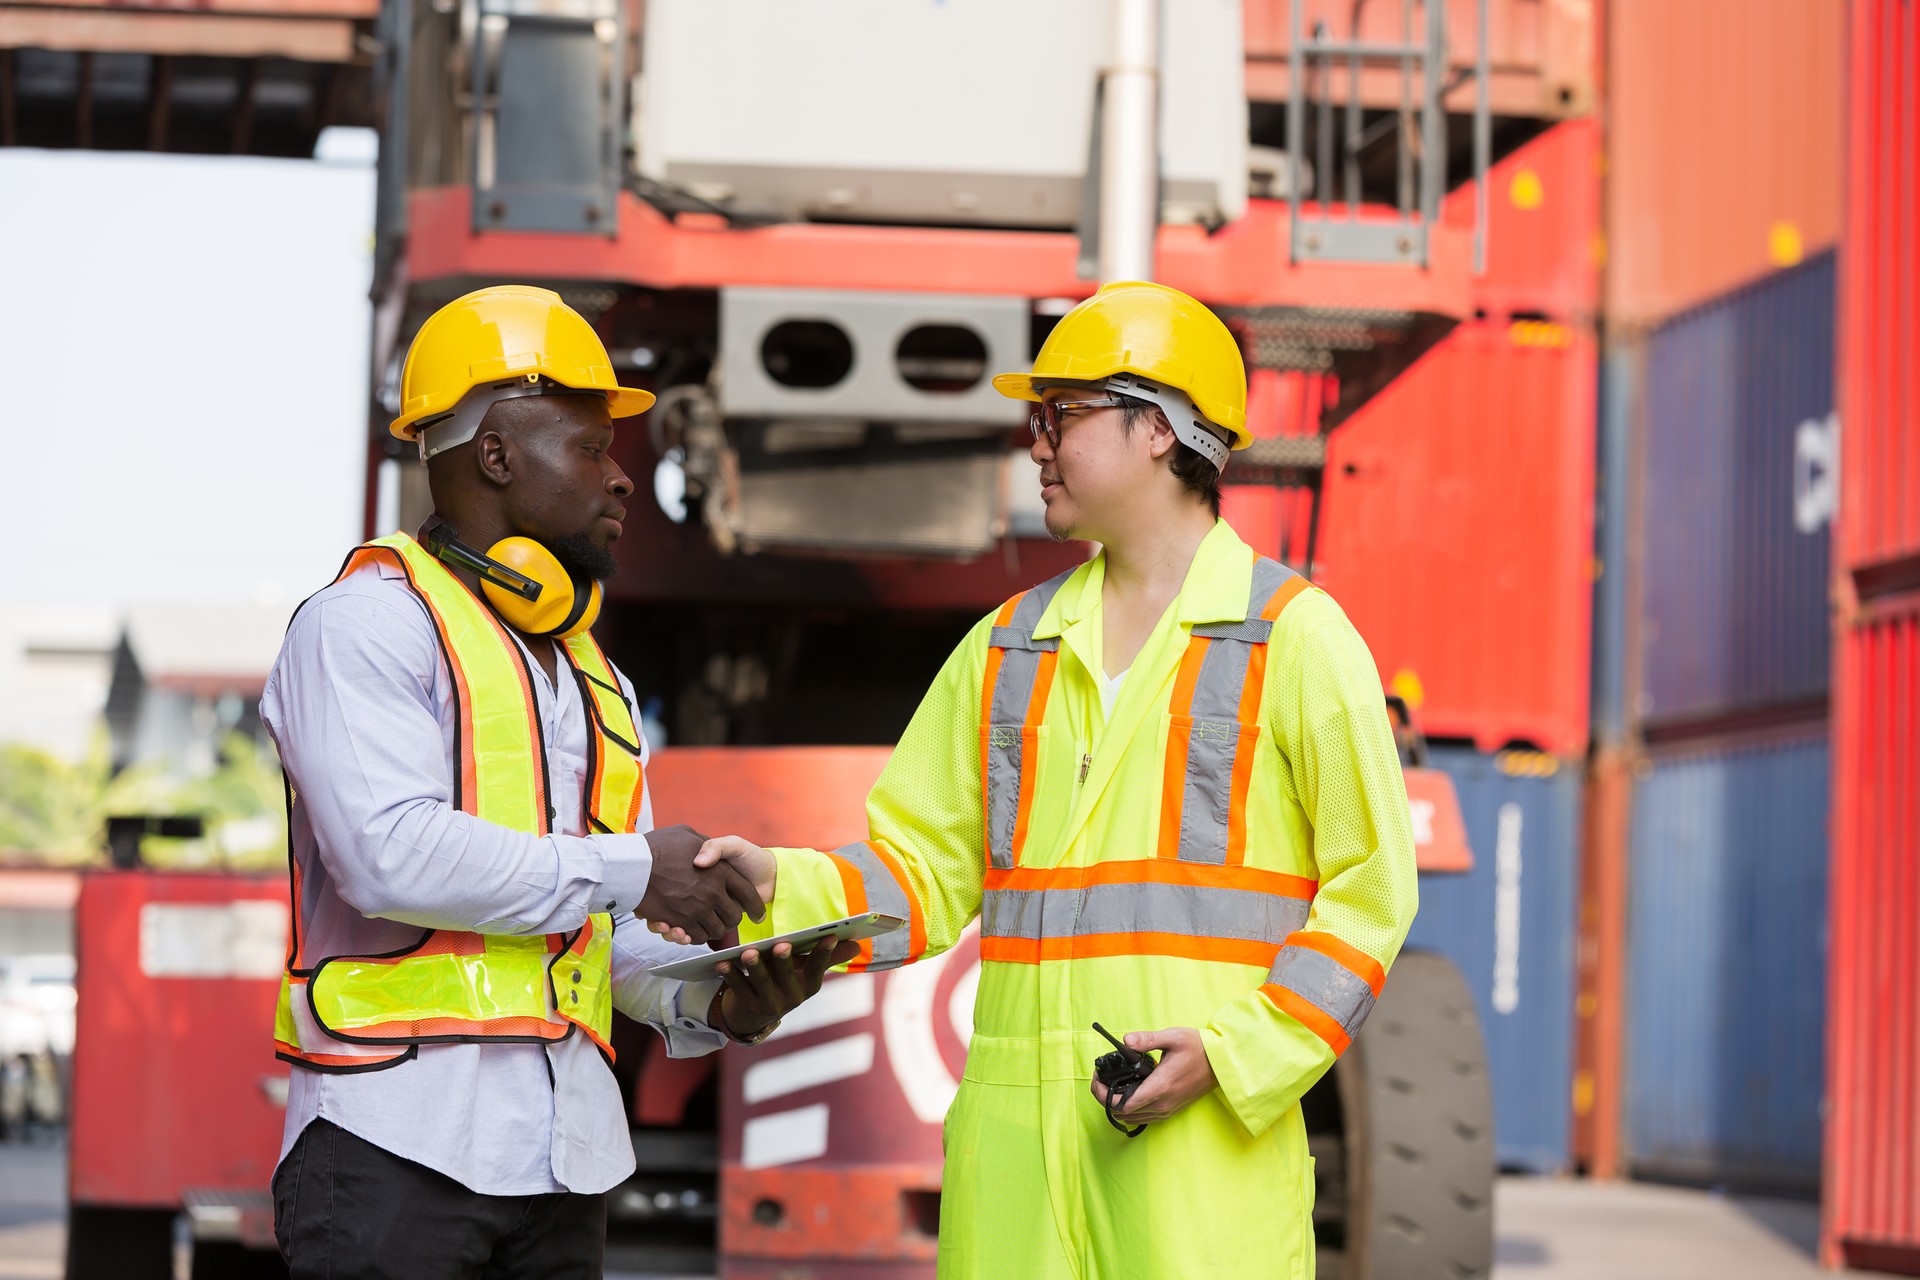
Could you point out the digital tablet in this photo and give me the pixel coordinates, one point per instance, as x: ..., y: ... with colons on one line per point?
x: 695, y: 968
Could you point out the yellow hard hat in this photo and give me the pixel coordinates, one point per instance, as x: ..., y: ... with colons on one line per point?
x: 506, y: 333
x: 1132, y: 326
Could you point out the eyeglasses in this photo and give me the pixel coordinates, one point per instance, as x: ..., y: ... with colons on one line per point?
x: 1045, y: 418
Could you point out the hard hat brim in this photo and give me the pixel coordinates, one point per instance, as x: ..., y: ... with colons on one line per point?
x: 1015, y: 386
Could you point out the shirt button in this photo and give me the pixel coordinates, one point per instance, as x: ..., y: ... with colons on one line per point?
x: 611, y: 906
x: 576, y: 996
x: 576, y: 975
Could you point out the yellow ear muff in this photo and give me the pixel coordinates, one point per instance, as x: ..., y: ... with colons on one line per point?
x: 556, y: 606
x: 587, y: 616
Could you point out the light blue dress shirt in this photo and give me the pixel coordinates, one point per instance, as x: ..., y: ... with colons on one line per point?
x: 361, y: 706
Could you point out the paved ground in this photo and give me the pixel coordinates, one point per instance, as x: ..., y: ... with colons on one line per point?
x: 1548, y: 1229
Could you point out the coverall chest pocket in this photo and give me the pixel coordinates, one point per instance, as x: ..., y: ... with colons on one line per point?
x: 1016, y: 757
x: 1204, y: 787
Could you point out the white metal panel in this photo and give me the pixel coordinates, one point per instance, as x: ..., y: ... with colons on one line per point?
x: 926, y: 110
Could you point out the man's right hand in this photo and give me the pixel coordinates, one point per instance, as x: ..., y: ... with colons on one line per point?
x: 744, y: 858
x: 701, y: 903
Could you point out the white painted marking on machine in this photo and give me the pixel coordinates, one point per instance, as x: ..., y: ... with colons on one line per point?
x: 841, y: 999
x: 808, y: 1068
x: 244, y: 939
x: 785, y: 1137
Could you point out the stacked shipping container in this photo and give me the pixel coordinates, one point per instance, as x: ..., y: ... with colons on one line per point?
x: 1703, y: 957
x: 1872, y: 1212
x: 1456, y: 533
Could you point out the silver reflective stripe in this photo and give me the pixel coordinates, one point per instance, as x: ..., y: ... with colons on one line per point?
x: 885, y: 895
x: 1188, y: 910
x: 1251, y: 631
x: 1011, y: 638
x: 1012, y: 690
x: 1213, y: 742
x: 1325, y: 983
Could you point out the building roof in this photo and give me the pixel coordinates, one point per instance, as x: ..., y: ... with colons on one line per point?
x: 207, y: 649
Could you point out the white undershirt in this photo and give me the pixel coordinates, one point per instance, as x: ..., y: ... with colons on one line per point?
x: 1110, y: 689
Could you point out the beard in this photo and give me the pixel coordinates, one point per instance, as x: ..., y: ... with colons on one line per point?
x: 582, y: 559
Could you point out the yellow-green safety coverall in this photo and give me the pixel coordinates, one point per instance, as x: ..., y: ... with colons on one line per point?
x: 1230, y: 851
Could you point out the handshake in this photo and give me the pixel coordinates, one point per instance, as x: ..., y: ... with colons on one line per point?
x: 700, y: 887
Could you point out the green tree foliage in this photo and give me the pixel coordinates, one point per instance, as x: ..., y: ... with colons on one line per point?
x: 58, y: 809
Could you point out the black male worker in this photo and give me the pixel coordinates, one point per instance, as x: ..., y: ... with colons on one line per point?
x: 1166, y: 785
x: 468, y: 802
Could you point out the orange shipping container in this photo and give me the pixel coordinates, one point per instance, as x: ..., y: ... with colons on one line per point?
x: 1723, y: 145
x: 1458, y: 533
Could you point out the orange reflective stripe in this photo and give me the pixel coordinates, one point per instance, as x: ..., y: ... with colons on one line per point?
x: 855, y: 887
x: 424, y: 1029
x: 917, y: 920
x: 285, y: 1050
x: 1095, y: 946
x: 1173, y: 783
x: 1345, y: 954
x: 1310, y: 1015
x: 1154, y: 871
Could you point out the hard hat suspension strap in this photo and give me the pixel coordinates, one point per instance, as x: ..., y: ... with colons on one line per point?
x: 462, y: 423
x: 1192, y: 429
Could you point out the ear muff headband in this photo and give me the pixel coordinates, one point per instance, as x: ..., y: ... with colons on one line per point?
x: 524, y: 582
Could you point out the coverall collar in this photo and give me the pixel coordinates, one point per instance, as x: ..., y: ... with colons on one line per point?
x: 1216, y: 588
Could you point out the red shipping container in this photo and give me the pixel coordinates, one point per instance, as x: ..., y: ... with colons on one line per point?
x: 1879, y: 281
x: 1723, y: 146
x: 1458, y: 533
x: 1872, y: 1209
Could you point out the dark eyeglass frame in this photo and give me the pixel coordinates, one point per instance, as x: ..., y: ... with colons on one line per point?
x: 1045, y: 418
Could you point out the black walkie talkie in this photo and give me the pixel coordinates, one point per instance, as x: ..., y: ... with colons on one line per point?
x: 1122, y: 1071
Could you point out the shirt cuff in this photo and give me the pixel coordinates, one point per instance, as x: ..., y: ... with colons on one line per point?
x: 626, y: 869
x: 690, y: 1035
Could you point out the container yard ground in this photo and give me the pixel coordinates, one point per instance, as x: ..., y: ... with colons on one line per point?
x: 1549, y: 1228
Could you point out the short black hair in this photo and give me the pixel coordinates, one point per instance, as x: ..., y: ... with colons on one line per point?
x: 1195, y: 471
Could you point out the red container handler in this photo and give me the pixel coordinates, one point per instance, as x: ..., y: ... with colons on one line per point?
x: 1458, y: 533
x: 176, y: 1093
x: 1871, y: 1215
x: 1879, y: 283
x: 1543, y: 226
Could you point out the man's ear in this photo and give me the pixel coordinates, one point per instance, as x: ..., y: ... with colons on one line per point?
x: 1160, y: 437
x: 490, y: 455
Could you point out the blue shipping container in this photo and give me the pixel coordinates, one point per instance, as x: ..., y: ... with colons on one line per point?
x: 1726, y: 1017
x: 1509, y: 925
x: 1739, y: 497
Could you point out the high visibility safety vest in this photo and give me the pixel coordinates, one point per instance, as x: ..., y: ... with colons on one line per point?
x: 1229, y: 849
x: 369, y: 1012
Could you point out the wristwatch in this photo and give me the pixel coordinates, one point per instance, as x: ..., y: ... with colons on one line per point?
x: 717, y: 1019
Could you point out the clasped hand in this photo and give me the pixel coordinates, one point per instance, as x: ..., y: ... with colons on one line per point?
x: 696, y: 898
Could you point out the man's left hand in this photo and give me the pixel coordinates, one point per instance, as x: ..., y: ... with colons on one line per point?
x: 1182, y: 1075
x: 762, y: 987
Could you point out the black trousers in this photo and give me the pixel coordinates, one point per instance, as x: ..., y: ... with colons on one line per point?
x: 343, y: 1209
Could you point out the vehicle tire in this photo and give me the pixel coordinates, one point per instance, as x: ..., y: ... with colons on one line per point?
x: 1419, y: 1127
x: 119, y: 1244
